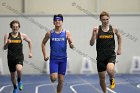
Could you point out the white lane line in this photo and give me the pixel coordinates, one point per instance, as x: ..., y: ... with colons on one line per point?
x: 85, y: 83
x: 72, y: 86
x: 42, y: 85
x: 138, y: 86
x: 111, y: 90
x: 4, y: 87
x: 72, y: 89
x: 37, y: 87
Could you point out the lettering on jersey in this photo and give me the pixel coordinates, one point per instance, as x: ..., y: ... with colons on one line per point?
x: 58, y: 39
x: 105, y: 36
x: 15, y: 41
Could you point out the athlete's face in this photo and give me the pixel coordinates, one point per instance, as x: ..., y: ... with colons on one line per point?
x: 58, y: 23
x: 105, y: 20
x: 15, y: 27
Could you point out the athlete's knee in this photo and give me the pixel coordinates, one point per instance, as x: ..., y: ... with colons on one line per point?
x: 60, y: 81
x: 19, y: 67
x: 19, y: 71
x: 53, y: 79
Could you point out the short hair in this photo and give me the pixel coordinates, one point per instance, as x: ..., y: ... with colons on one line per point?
x: 14, y: 21
x: 58, y: 15
x: 104, y: 13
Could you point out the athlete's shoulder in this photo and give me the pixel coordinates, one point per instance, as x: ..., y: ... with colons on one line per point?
x: 51, y: 31
x: 115, y: 29
x: 23, y: 35
x: 66, y: 30
x: 48, y: 33
x: 6, y: 35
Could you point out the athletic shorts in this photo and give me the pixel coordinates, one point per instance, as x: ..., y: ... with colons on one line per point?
x: 58, y: 66
x: 102, y: 64
x: 13, y: 62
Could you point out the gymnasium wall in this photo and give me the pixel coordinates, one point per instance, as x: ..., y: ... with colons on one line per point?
x: 67, y: 6
x: 80, y: 16
x: 80, y: 26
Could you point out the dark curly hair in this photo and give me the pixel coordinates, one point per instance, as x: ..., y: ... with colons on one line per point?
x: 14, y: 21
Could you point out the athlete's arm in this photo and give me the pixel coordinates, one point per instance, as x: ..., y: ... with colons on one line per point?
x: 6, y: 41
x: 94, y: 36
x: 70, y: 40
x: 27, y: 39
x: 119, y: 38
x: 46, y: 38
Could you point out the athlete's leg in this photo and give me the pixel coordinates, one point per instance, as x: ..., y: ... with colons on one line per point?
x: 53, y: 70
x: 111, y: 70
x: 19, y: 76
x: 61, y: 74
x: 53, y: 77
x: 13, y: 79
x: 60, y: 83
x: 101, y: 66
x: 12, y: 69
x: 19, y: 71
x: 102, y: 77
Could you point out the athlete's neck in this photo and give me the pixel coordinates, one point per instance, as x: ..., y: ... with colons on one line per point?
x: 105, y: 28
x: 15, y: 34
x: 58, y: 29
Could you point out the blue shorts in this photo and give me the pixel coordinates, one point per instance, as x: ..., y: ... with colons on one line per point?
x: 58, y: 66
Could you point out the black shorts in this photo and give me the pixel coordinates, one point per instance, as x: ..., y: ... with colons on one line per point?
x: 13, y: 62
x: 102, y: 64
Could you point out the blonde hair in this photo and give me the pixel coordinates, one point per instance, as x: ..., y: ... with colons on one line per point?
x: 104, y: 13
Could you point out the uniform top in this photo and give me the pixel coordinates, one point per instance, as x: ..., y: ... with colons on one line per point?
x: 58, y: 44
x: 15, y: 48
x: 105, y: 40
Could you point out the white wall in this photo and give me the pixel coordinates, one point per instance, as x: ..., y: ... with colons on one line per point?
x: 16, y: 4
x: 81, y: 29
x: 68, y: 6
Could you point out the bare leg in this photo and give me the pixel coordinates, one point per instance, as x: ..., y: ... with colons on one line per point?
x: 110, y: 70
x: 60, y: 83
x: 53, y: 77
x: 13, y: 79
x: 102, y: 76
x: 19, y: 71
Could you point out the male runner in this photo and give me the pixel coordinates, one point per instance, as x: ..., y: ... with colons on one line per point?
x: 13, y: 42
x: 58, y: 50
x: 105, y: 46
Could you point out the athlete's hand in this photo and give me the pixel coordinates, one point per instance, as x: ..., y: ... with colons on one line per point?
x: 71, y: 46
x: 118, y: 52
x: 46, y: 58
x: 8, y: 41
x: 30, y: 55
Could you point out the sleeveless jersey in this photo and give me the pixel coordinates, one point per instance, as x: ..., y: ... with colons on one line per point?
x: 105, y: 43
x: 15, y: 48
x: 58, y: 45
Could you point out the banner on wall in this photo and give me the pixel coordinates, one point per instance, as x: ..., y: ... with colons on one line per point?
x: 135, y: 66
